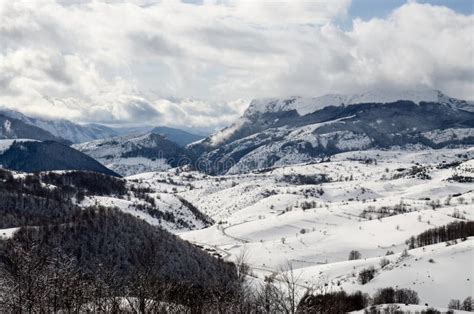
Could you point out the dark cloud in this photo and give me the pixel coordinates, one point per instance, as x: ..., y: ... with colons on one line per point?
x: 154, y: 44
x: 141, y: 111
x: 247, y: 41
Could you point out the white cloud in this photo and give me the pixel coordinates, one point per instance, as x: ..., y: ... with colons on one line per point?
x: 143, y: 61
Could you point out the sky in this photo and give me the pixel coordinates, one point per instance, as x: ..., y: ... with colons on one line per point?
x: 196, y: 64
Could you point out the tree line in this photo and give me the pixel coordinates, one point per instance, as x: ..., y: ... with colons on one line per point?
x: 452, y: 231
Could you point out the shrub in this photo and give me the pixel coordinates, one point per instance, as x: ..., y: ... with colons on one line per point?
x: 390, y: 295
x: 384, y: 296
x: 334, y: 302
x: 384, y: 262
x: 366, y: 275
x: 406, y: 296
x: 300, y: 179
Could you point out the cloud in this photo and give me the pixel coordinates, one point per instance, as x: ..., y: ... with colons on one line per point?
x: 144, y: 61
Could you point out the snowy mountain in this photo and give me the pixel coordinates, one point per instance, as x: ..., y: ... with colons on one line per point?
x: 11, y: 128
x: 66, y: 129
x: 132, y: 154
x: 308, y: 105
x: 311, y: 215
x: 74, y: 132
x: 32, y: 156
x: 278, y: 132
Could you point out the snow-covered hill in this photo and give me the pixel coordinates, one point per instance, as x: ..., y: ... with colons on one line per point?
x: 314, y: 214
x: 128, y: 155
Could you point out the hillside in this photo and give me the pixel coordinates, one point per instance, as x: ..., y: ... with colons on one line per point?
x: 133, y: 154
x: 70, y: 191
x: 64, y: 255
x: 311, y: 215
x: 34, y: 156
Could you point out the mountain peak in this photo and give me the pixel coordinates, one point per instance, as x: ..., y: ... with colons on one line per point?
x: 306, y: 105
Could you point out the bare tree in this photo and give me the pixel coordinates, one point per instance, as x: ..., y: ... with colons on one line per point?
x: 34, y: 279
x: 269, y: 297
x: 290, y: 286
x: 144, y: 287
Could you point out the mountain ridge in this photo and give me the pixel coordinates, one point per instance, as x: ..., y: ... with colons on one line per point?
x: 273, y: 132
x: 12, y: 128
x: 306, y: 105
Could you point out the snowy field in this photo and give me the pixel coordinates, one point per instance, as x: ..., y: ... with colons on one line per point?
x: 372, y: 202
x: 313, y: 215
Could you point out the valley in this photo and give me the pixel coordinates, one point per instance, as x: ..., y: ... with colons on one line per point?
x: 323, y: 197
x: 371, y: 202
x: 237, y: 156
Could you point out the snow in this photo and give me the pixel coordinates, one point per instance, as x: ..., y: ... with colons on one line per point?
x: 439, y: 136
x: 315, y: 226
x: 263, y: 214
x: 425, y: 269
x: 308, y: 105
x: 133, y: 165
x: 7, y: 233
x: 164, y: 201
x: 60, y: 127
x: 110, y: 153
x: 7, y: 126
x: 403, y: 308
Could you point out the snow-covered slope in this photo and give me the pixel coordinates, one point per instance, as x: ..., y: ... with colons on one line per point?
x: 132, y: 154
x: 153, y: 198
